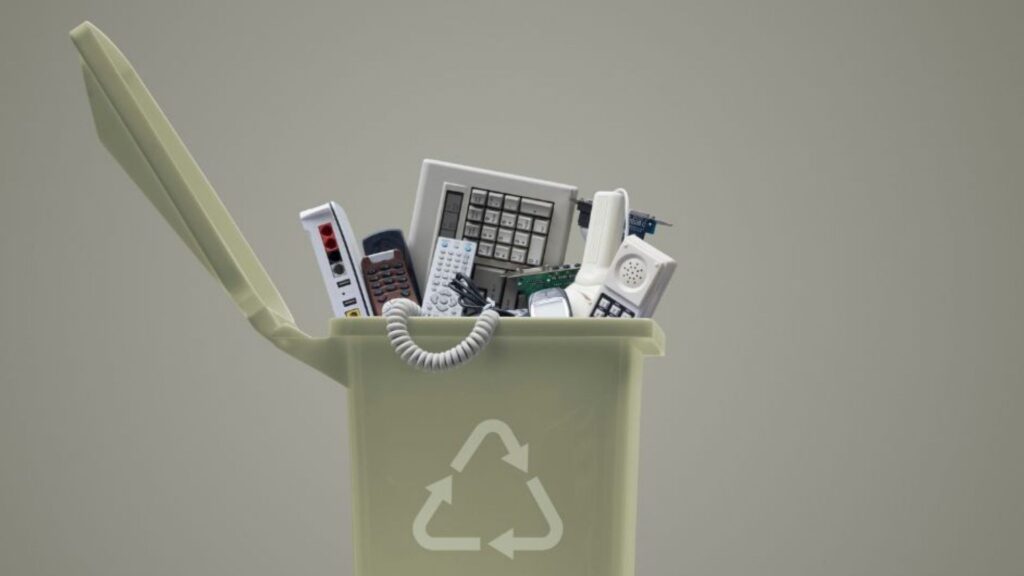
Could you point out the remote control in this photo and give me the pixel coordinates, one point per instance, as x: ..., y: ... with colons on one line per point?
x: 393, y: 240
x: 450, y: 257
x: 387, y: 276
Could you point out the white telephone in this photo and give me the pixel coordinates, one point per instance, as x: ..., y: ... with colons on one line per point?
x: 638, y: 277
x: 608, y: 224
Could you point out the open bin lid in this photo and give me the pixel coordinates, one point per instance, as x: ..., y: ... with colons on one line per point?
x: 136, y: 132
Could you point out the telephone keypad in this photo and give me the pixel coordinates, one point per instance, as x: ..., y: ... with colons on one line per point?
x: 386, y: 279
x: 607, y: 307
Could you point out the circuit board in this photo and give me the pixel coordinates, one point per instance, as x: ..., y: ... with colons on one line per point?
x: 520, y: 284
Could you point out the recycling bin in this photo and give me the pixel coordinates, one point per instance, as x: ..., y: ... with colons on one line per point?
x: 521, y: 462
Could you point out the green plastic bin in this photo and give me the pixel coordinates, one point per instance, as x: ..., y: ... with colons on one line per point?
x: 522, y: 462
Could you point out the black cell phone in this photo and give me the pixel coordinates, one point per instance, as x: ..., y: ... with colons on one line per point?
x: 393, y: 240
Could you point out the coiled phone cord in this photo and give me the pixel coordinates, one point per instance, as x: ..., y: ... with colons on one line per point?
x: 396, y: 315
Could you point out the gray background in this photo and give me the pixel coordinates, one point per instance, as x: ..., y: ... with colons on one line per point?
x: 844, y: 381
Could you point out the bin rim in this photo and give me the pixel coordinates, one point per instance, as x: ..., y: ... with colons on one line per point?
x: 644, y: 333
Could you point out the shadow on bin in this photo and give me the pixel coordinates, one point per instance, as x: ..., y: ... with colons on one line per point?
x: 522, y: 462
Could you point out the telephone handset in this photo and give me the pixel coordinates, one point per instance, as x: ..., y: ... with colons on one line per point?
x: 636, y: 281
x: 607, y: 226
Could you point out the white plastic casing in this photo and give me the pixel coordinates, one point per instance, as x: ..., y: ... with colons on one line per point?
x: 607, y: 219
x: 346, y: 290
x: 637, y: 279
x: 438, y: 179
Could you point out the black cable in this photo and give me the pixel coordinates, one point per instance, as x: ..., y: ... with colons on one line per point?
x: 474, y: 301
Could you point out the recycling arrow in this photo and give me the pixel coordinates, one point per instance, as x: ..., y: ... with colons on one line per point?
x: 508, y: 543
x: 440, y: 491
x: 518, y: 455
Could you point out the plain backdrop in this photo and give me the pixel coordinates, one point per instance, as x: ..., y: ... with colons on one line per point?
x: 844, y: 382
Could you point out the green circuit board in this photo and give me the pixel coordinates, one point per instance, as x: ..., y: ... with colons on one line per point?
x: 520, y: 284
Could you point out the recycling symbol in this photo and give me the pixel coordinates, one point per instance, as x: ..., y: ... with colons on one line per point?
x: 508, y: 543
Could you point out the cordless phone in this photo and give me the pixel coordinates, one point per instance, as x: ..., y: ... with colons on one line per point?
x: 393, y: 240
x: 636, y: 281
x: 451, y: 256
x: 387, y: 276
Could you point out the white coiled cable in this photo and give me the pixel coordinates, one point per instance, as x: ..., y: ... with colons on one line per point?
x: 396, y: 315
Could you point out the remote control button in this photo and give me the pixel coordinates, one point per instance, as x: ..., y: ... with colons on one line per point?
x: 444, y: 242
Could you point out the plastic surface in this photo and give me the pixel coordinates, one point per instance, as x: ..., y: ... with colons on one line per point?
x: 522, y: 462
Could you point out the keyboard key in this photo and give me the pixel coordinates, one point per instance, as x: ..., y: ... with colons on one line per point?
x: 478, y: 197
x: 522, y: 239
x: 540, y: 226
x: 475, y: 214
x: 524, y: 223
x: 518, y: 255
x: 536, y: 253
x: 508, y: 219
x: 505, y: 235
x: 495, y: 199
x: 472, y: 230
x: 485, y: 249
x: 492, y: 217
x: 501, y: 252
x: 511, y: 202
x: 488, y: 233
x: 535, y: 207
